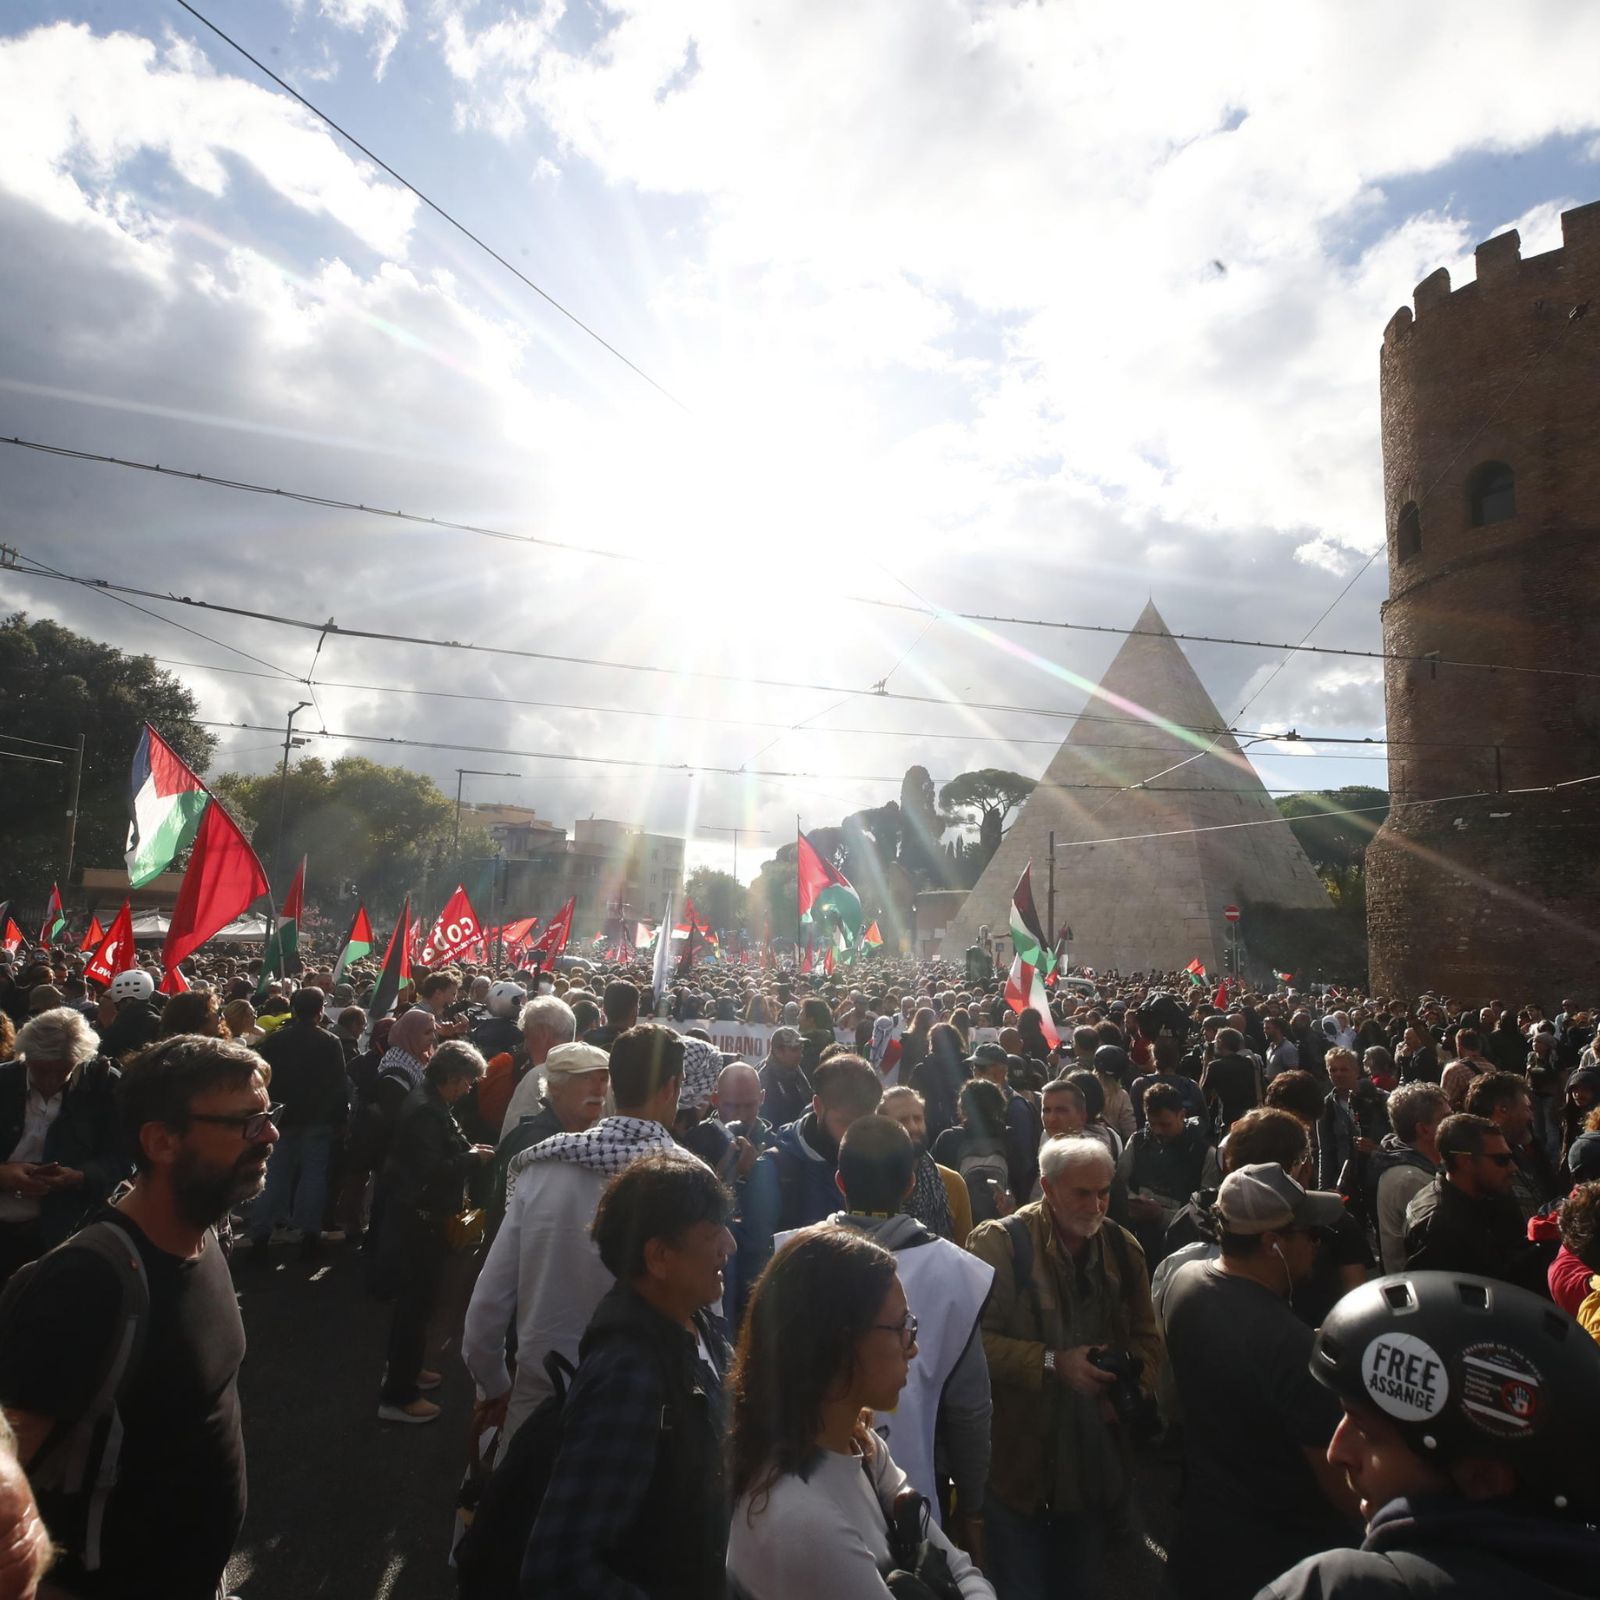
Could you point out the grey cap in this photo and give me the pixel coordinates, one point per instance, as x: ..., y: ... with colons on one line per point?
x: 1263, y: 1198
x: 787, y: 1037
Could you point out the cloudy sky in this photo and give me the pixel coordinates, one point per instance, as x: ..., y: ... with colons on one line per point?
x: 1034, y: 310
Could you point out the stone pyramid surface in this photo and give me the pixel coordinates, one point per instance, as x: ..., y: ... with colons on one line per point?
x: 1144, y: 903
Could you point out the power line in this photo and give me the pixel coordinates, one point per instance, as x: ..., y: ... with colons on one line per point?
x: 432, y: 205
x: 936, y: 613
x: 1349, y: 811
x: 692, y: 768
x: 743, y: 680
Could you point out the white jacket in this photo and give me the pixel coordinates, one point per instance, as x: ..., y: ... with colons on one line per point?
x: 544, y: 1269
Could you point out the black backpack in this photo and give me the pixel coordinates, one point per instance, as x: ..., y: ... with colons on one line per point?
x: 76, y: 1469
x: 489, y: 1555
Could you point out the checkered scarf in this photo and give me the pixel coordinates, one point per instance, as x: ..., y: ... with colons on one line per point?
x: 610, y: 1145
x: 702, y: 1063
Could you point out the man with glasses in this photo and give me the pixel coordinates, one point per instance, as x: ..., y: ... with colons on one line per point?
x: 138, y: 1309
x: 1467, y: 1219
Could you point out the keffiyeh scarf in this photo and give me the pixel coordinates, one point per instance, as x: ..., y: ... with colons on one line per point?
x: 929, y: 1202
x: 702, y: 1063
x: 610, y: 1145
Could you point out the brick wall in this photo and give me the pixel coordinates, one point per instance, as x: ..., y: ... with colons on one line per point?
x: 1459, y: 898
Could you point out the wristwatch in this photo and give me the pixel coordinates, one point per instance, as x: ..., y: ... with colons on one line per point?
x: 1050, y: 1363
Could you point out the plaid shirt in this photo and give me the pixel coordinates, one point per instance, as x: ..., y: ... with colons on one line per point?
x: 611, y: 1423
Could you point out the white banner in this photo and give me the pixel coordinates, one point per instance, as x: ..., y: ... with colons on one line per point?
x: 749, y: 1041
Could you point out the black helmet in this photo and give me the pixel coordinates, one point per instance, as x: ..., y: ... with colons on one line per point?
x: 1112, y: 1060
x: 1464, y: 1366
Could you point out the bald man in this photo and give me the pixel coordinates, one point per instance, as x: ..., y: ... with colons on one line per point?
x: 738, y: 1107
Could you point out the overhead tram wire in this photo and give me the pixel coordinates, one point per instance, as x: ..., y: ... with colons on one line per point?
x: 433, y: 205
x: 729, y: 722
x: 305, y: 497
x: 1292, y: 735
x: 682, y: 768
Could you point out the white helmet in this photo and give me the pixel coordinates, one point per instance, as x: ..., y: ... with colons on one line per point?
x: 505, y: 999
x: 136, y: 984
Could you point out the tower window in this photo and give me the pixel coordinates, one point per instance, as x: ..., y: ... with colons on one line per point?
x: 1492, y: 493
x: 1408, y: 532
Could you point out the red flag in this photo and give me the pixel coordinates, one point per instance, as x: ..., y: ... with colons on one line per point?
x: 115, y: 952
x: 827, y: 961
x: 222, y: 878
x: 12, y: 937
x: 456, y: 931
x: 295, y: 899
x: 174, y: 982
x: 805, y: 965
x: 1220, y: 999
x: 93, y: 937
x: 553, y: 940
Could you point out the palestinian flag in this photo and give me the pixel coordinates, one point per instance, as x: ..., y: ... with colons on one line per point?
x: 283, y: 947
x: 1197, y: 971
x: 10, y: 934
x: 55, y: 919
x: 1027, y: 933
x: 872, y: 939
x: 357, y: 944
x: 396, y: 966
x: 1025, y: 992
x: 824, y: 893
x: 1284, y: 977
x: 165, y: 803
x: 92, y: 938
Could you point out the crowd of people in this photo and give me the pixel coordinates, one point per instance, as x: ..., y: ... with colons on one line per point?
x: 909, y: 1305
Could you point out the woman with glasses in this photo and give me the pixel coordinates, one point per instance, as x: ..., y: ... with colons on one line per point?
x: 424, y: 1178
x: 827, y: 1336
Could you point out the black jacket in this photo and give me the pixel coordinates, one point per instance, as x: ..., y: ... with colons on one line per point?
x: 1447, y: 1549
x: 85, y: 1136
x: 308, y: 1075
x: 1482, y: 1236
x: 429, y: 1157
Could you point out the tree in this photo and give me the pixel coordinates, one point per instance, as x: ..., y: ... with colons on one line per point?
x: 993, y: 794
x: 388, y: 830
x: 719, y: 898
x: 1335, y: 844
x: 771, y: 900
x: 54, y: 685
x: 922, y: 829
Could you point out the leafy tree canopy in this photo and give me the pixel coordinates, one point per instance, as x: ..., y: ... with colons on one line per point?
x: 988, y: 796
x: 54, y: 685
x: 719, y: 898
x: 1335, y: 844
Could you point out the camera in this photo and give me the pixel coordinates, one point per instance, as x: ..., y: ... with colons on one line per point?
x: 1135, y: 1409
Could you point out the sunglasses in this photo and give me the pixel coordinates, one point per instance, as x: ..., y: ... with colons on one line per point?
x: 1505, y: 1159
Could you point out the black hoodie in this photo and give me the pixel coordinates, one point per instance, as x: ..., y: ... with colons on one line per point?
x: 1451, y: 1549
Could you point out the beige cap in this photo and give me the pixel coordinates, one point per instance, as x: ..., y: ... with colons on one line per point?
x: 576, y: 1057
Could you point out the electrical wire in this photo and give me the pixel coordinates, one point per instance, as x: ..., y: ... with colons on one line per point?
x: 1348, y: 811
x: 936, y: 613
x: 433, y: 205
x: 742, y: 679
x: 17, y: 755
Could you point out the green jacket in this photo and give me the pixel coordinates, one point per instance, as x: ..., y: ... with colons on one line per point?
x: 1052, y: 1447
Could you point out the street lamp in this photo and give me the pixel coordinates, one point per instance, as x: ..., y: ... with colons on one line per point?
x: 283, y: 796
x: 472, y: 772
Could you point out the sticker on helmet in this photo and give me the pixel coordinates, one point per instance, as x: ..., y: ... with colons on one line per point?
x: 1405, y: 1377
x: 1501, y: 1389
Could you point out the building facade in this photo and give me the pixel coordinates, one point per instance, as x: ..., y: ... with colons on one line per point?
x: 1491, y: 463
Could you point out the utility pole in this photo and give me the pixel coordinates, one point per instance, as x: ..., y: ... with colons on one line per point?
x: 283, y: 804
x: 72, y: 812
x: 472, y: 772
x: 1050, y: 893
x: 753, y: 832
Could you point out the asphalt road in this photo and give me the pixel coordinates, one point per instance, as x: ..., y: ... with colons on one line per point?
x: 345, y: 1506
x: 341, y: 1504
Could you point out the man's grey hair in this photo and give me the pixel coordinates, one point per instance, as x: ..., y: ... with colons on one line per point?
x: 1413, y: 1104
x: 553, y: 1014
x: 60, y: 1034
x: 1059, y: 1156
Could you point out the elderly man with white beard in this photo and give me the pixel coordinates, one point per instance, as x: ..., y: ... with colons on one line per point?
x: 1071, y: 1298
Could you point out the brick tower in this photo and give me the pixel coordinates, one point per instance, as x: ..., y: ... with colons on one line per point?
x: 1491, y: 472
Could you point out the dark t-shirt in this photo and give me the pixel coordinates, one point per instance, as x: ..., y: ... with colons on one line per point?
x: 1231, y: 1081
x: 1342, y: 1246
x: 179, y: 1501
x: 1252, y: 1507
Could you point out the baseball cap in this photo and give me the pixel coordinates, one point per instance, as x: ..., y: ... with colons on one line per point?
x: 988, y: 1055
x: 786, y: 1037
x: 1263, y: 1197
x: 575, y: 1057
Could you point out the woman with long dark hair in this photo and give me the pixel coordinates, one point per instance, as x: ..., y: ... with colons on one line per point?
x: 827, y: 1336
x: 939, y: 1077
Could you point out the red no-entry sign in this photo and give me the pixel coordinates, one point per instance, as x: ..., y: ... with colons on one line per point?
x: 1230, y: 913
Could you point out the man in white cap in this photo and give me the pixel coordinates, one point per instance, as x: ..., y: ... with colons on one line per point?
x: 1259, y: 1492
